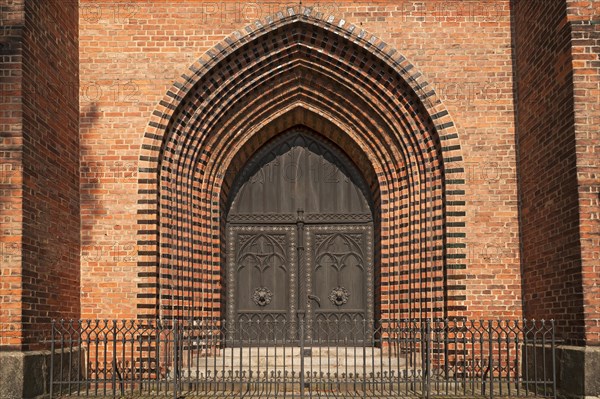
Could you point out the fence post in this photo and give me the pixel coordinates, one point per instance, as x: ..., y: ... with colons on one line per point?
x: 427, y: 363
x: 52, y: 358
x: 241, y: 343
x: 554, y: 393
x: 302, y: 357
x: 364, y: 351
x: 114, y: 359
x: 491, y: 357
x: 175, y: 358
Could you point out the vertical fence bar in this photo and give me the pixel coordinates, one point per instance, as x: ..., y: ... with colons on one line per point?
x: 473, y: 356
x: 70, y: 372
x: 88, y: 346
x: 553, y: 354
x: 301, y: 358
x: 175, y: 358
x: 544, y: 367
x: 517, y: 355
x: 373, y: 337
x: 114, y: 359
x: 491, y: 357
x: 535, y: 356
x: 526, y: 357
x: 149, y: 332
x: 131, y: 342
x: 446, y: 353
x: 158, y: 380
x: 499, y: 339
x: 52, y: 347
x: 464, y: 357
x: 140, y: 342
x: 123, y: 372
x: 259, y: 386
x: 293, y: 339
x: 105, y: 357
x: 62, y: 355
x: 430, y: 346
x: 284, y: 343
x: 381, y: 385
x: 542, y: 329
x: 241, y: 343
x: 309, y: 340
x: 320, y: 344
x: 189, y: 348
x: 508, y: 358
x: 355, y: 333
x: 364, y: 351
x: 408, y: 355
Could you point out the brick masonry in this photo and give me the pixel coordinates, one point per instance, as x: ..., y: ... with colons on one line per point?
x: 585, y: 36
x: 40, y: 234
x: 130, y: 59
x: 557, y: 69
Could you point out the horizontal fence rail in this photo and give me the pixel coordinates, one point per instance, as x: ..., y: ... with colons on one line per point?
x: 358, y: 358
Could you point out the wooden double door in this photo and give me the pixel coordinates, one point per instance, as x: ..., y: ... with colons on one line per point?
x: 300, y: 243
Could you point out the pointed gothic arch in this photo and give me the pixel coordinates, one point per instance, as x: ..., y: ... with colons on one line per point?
x: 340, y: 81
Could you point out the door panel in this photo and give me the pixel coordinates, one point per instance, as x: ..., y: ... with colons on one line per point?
x: 261, y: 277
x: 340, y: 274
x: 262, y: 269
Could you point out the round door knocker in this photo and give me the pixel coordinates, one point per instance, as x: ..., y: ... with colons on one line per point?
x: 262, y: 296
x: 339, y: 296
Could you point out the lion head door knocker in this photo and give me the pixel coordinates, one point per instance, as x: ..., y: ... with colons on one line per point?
x: 339, y: 296
x: 262, y: 296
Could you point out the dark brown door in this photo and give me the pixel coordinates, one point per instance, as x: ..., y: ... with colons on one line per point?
x: 300, y: 240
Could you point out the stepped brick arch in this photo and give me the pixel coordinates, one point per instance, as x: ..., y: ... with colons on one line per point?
x: 301, y: 69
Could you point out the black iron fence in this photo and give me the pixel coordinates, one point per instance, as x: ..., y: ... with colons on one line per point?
x: 389, y: 358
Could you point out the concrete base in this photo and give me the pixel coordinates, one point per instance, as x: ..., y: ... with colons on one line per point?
x: 26, y: 375
x: 578, y: 371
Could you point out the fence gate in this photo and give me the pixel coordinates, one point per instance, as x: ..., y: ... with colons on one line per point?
x: 386, y: 358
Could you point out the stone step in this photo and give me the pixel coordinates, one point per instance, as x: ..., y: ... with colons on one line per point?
x: 316, y: 374
x: 318, y: 361
x: 392, y: 363
x: 318, y: 351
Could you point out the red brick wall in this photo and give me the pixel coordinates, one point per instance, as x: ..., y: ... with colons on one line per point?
x: 11, y: 190
x: 43, y: 277
x: 557, y: 119
x: 131, y: 54
x: 585, y: 36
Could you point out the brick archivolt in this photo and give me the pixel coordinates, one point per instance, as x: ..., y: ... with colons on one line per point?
x: 335, y: 79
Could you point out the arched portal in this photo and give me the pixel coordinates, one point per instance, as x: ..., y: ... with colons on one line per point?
x: 299, y: 228
x: 361, y: 95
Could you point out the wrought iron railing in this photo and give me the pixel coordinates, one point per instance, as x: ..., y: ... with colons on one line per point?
x: 341, y: 358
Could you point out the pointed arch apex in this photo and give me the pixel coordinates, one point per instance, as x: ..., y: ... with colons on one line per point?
x: 232, y: 94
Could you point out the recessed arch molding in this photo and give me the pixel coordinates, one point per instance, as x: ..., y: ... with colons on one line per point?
x: 301, y: 69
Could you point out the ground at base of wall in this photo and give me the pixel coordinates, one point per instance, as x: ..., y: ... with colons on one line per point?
x: 26, y: 375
